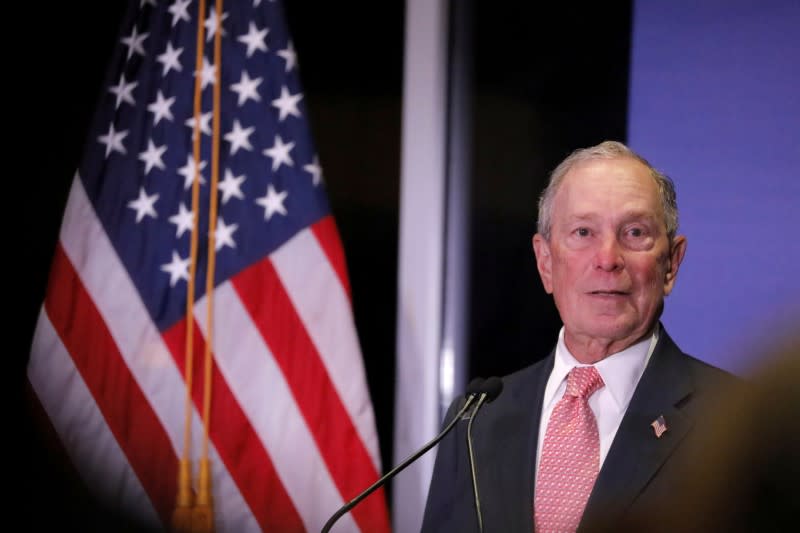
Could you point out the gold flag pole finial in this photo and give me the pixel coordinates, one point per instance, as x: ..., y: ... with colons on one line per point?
x: 203, y: 510
x: 182, y: 515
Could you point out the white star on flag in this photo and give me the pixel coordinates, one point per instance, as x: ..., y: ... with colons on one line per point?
x: 223, y: 235
x: 287, y: 104
x: 247, y: 88
x: 113, y: 140
x: 187, y: 171
x: 144, y: 205
x: 180, y: 11
x: 212, y: 24
x: 170, y: 59
x: 239, y: 137
x: 315, y: 170
x: 123, y: 91
x: 205, y: 123
x: 183, y: 219
x: 272, y: 202
x: 178, y: 269
x: 280, y: 153
x: 152, y: 156
x: 134, y: 42
x: 208, y: 74
x: 161, y: 108
x: 254, y: 39
x: 289, y: 55
x: 231, y: 186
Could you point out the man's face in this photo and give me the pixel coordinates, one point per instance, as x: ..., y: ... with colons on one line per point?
x: 608, y: 262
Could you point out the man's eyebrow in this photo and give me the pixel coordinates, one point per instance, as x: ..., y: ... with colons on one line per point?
x: 634, y: 215
x: 581, y: 216
x: 626, y: 217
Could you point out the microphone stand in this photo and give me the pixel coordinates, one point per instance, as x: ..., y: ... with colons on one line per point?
x: 338, y: 514
x: 472, y: 463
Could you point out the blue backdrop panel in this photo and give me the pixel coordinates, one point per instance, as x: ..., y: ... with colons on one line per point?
x: 715, y: 103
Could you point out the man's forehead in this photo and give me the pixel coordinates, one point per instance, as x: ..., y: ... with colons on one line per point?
x: 623, y: 187
x: 619, y: 175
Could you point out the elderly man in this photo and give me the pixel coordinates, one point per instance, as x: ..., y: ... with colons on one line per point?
x: 605, y: 425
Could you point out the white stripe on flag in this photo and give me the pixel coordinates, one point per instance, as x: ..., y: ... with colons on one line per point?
x: 91, y: 445
x: 261, y: 390
x: 141, y: 345
x: 324, y: 308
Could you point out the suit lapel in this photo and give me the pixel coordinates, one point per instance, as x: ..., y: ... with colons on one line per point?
x: 513, y: 442
x: 636, y: 454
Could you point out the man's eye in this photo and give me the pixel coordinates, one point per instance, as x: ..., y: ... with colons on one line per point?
x: 636, y: 232
x: 582, y: 232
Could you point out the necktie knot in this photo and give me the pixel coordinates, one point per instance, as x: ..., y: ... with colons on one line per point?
x: 583, y: 381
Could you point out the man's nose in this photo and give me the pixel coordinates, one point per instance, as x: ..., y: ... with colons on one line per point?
x: 609, y: 255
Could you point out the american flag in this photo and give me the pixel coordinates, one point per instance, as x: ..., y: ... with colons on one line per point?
x: 292, y: 434
x: 659, y: 426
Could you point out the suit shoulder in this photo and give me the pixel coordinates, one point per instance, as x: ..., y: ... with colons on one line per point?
x: 711, y: 373
x: 702, y: 373
x: 526, y: 374
x: 713, y: 382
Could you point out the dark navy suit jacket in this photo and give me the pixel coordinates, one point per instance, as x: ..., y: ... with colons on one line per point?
x: 638, y: 475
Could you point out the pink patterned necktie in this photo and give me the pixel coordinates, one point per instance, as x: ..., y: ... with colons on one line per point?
x: 570, y: 456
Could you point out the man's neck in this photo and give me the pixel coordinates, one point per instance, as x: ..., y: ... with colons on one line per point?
x: 590, y: 350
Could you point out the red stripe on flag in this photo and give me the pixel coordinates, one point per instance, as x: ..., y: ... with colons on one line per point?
x: 123, y: 404
x: 344, y: 453
x: 236, y: 441
x: 330, y: 242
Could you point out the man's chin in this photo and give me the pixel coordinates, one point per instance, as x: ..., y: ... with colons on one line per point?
x: 613, y: 328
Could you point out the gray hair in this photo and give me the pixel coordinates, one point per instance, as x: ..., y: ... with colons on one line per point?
x: 606, y: 150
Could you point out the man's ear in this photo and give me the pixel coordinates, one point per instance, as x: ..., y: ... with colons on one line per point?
x: 544, y: 261
x: 676, y: 253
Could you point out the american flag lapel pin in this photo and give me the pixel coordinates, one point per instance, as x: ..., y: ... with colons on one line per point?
x: 659, y: 426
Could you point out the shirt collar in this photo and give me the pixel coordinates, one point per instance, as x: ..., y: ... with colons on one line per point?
x: 620, y: 371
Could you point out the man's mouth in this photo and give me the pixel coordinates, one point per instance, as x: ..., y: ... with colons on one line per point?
x: 608, y: 293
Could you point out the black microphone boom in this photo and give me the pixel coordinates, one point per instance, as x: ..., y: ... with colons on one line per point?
x: 489, y: 390
x: 474, y: 390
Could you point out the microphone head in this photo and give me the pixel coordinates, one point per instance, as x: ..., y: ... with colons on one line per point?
x: 492, y: 386
x: 475, y: 387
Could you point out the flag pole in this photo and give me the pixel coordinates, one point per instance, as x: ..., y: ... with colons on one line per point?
x: 184, y: 502
x: 203, y: 512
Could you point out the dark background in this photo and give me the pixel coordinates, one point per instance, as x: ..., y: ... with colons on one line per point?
x: 548, y: 78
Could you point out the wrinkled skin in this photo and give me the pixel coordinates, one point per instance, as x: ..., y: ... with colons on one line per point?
x: 609, y: 262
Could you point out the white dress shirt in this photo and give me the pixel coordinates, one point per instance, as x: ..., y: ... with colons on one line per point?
x: 620, y: 372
